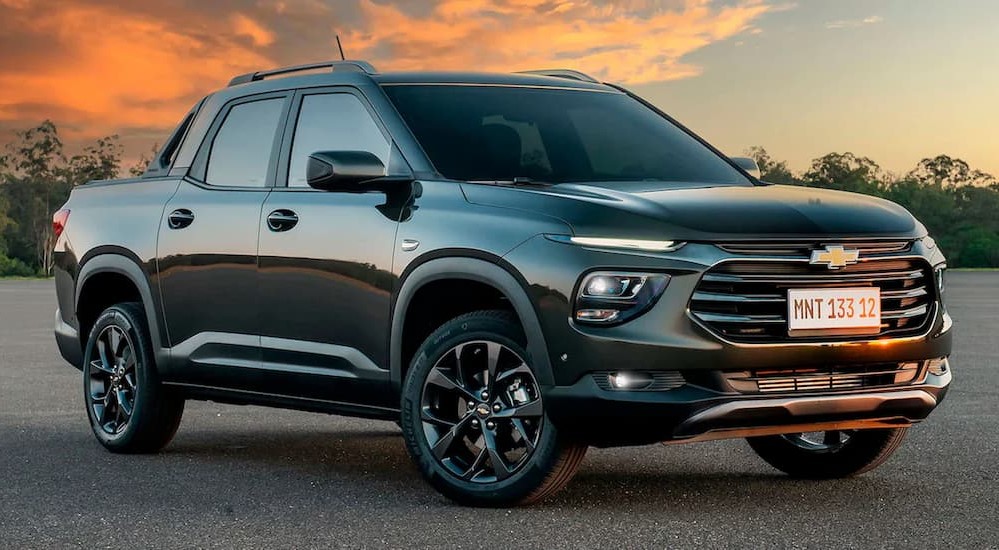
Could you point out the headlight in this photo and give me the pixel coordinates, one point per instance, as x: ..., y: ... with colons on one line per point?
x: 619, y: 244
x: 940, y: 276
x: 605, y: 298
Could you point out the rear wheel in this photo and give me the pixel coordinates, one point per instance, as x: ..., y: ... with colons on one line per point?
x: 474, y: 419
x: 129, y: 410
x: 830, y: 454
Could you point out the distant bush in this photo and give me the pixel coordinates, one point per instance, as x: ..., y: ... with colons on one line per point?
x: 12, y: 267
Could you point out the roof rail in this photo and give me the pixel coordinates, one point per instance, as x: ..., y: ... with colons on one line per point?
x: 564, y: 73
x: 355, y: 66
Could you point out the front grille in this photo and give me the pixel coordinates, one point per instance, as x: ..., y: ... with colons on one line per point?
x: 822, y: 379
x: 805, y: 248
x: 746, y: 301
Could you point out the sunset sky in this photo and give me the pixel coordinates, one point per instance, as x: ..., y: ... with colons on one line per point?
x: 896, y: 80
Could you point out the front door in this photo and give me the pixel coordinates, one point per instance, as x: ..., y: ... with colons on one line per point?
x: 326, y: 261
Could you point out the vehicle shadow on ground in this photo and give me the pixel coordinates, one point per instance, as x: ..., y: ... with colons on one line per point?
x: 379, y: 455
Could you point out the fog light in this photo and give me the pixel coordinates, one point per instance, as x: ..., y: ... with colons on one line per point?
x: 597, y: 315
x: 938, y: 367
x: 629, y: 380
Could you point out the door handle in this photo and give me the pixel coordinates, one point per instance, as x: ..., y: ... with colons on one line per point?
x: 281, y: 220
x: 180, y: 218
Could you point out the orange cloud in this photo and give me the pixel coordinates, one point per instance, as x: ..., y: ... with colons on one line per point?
x: 98, y: 67
x: 106, y: 68
x: 631, y: 42
x: 244, y: 26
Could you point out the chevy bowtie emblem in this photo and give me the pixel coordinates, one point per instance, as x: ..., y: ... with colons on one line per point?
x: 834, y: 257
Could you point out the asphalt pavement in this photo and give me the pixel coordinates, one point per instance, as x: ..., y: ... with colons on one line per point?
x: 249, y: 477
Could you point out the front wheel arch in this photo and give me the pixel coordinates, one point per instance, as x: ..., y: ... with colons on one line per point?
x: 480, y: 271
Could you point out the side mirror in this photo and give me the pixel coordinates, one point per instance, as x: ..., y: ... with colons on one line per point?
x: 749, y: 165
x: 342, y: 170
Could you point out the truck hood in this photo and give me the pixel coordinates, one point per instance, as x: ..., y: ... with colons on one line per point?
x: 699, y: 213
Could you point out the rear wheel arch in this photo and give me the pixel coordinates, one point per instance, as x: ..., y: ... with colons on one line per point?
x: 109, y: 278
x: 487, y: 274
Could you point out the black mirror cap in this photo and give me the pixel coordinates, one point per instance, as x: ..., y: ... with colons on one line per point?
x: 342, y: 170
x: 748, y: 165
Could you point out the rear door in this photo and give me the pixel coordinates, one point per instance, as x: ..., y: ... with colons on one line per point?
x: 326, y: 259
x: 207, y: 251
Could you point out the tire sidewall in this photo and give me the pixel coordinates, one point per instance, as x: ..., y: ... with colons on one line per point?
x: 508, y: 491
x: 125, y: 318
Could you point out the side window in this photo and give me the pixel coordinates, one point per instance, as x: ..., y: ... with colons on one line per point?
x: 241, y: 150
x: 333, y: 122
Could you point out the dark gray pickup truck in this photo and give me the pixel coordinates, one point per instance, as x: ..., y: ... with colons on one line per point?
x: 514, y: 267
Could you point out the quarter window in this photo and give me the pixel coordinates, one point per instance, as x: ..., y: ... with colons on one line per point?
x: 241, y: 151
x: 333, y: 122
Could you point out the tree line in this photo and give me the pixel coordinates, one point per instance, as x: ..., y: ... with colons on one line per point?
x: 959, y: 205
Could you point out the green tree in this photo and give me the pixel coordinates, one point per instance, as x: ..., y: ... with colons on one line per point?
x: 945, y: 171
x: 37, y: 178
x: 140, y: 165
x: 846, y: 172
x: 771, y: 170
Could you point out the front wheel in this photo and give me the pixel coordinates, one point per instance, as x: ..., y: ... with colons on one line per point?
x: 474, y: 420
x: 828, y: 455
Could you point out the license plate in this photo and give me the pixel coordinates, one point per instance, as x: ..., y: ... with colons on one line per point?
x: 820, y: 311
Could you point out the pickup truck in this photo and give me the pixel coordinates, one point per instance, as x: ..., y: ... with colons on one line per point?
x: 513, y: 267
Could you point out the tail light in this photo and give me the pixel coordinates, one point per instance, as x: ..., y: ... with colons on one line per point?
x: 59, y: 220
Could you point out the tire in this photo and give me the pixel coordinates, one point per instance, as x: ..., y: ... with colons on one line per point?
x: 539, y: 461
x: 854, y: 453
x: 137, y: 415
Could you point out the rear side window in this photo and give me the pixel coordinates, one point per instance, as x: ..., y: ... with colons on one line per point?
x: 241, y: 151
x: 333, y: 122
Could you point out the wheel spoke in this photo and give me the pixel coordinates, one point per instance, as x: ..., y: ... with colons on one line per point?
x: 831, y: 437
x: 103, y: 364
x: 114, y: 338
x: 500, y: 467
x: 477, y: 465
x: 124, y: 404
x: 441, y: 380
x: 531, y: 409
x: 519, y: 369
x: 102, y: 416
x: 518, y: 424
x: 428, y: 416
x: 441, y: 447
x: 129, y: 379
x: 492, y: 361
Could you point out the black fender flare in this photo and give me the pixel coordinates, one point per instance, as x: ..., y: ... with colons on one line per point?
x: 123, y: 263
x: 478, y: 270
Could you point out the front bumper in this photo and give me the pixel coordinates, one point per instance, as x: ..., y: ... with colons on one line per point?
x: 693, y: 413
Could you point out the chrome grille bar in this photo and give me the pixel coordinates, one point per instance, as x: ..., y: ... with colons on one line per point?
x: 746, y: 300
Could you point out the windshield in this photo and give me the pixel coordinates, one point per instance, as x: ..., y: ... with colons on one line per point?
x: 501, y: 133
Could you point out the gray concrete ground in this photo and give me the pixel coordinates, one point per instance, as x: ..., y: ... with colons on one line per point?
x: 247, y: 477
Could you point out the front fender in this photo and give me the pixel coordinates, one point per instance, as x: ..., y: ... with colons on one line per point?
x: 478, y: 270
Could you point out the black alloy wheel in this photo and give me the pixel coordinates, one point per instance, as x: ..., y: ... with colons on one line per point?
x: 481, y: 411
x: 474, y: 417
x: 830, y: 454
x: 113, y: 380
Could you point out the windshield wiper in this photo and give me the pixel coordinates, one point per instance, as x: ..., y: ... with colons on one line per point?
x: 519, y: 180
